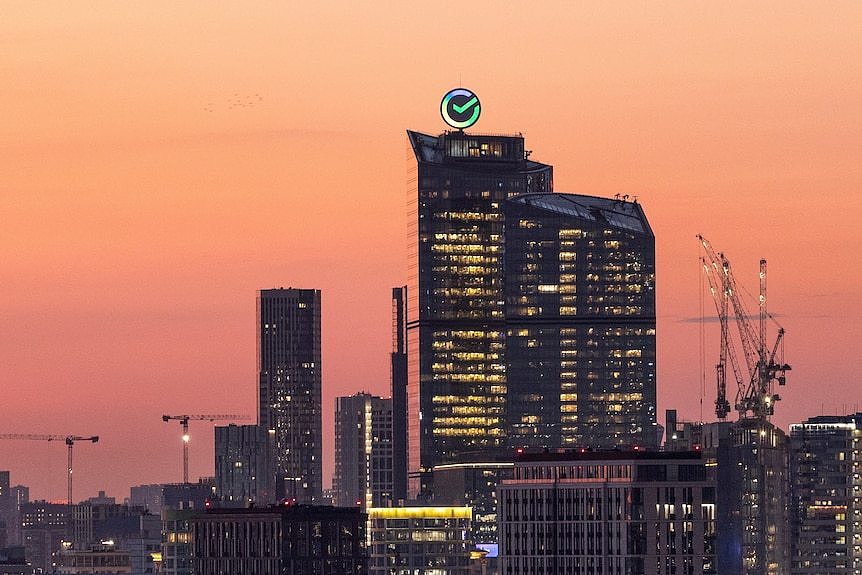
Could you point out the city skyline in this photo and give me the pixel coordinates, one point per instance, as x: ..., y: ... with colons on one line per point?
x: 162, y: 164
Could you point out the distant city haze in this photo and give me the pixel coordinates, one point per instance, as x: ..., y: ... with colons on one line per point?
x: 161, y: 163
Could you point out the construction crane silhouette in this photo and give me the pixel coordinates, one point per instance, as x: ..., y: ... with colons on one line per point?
x: 755, y: 397
x: 184, y: 421
x: 70, y: 443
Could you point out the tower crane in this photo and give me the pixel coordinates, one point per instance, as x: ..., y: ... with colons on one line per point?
x: 755, y: 397
x: 70, y: 443
x: 184, y: 421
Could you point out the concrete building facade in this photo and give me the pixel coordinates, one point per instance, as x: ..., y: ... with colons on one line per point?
x: 608, y: 513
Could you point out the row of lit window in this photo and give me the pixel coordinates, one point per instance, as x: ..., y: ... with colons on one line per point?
x: 468, y: 431
x: 493, y: 397
x: 438, y: 367
x: 461, y: 421
x: 469, y: 216
x: 465, y: 248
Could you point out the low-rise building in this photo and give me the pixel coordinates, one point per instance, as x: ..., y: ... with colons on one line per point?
x: 280, y: 540
x: 104, y: 559
x: 613, y: 513
x: 419, y: 540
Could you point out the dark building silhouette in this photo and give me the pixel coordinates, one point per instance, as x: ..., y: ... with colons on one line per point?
x: 13, y: 561
x: 174, y: 504
x: 281, y: 540
x: 530, y: 314
x: 363, y: 451
x: 398, y: 380
x: 290, y: 388
x: 43, y: 527
x: 244, y: 465
x: 8, y: 513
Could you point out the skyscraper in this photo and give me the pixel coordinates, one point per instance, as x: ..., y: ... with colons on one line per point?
x: 531, y: 314
x: 290, y: 387
x: 363, y: 451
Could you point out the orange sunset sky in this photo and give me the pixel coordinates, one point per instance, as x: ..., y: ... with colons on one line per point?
x: 162, y: 161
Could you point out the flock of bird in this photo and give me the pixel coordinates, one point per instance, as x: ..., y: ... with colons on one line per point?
x: 237, y: 101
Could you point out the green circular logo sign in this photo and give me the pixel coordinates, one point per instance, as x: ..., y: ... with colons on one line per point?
x: 460, y: 108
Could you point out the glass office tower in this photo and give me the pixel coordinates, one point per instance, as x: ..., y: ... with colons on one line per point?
x: 580, y: 322
x: 290, y: 387
x: 456, y: 326
x: 530, y: 314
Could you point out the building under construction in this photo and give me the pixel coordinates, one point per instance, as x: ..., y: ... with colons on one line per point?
x: 749, y: 456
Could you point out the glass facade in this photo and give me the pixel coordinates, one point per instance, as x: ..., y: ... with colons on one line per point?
x: 419, y: 541
x: 290, y: 388
x: 531, y: 315
x: 580, y: 333
x: 456, y: 310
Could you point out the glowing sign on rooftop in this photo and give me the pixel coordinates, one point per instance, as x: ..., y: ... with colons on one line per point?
x: 460, y: 108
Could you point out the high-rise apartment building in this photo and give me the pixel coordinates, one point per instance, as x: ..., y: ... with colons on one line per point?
x: 290, y: 388
x: 363, y: 451
x: 826, y: 495
x: 530, y: 314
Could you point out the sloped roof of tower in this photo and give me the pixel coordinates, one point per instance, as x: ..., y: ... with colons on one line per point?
x: 433, y: 150
x: 609, y: 211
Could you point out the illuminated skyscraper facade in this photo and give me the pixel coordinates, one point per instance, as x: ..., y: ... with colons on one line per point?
x: 580, y: 322
x: 290, y: 388
x: 530, y: 314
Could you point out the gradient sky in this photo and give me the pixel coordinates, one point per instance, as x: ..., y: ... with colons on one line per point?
x: 162, y: 161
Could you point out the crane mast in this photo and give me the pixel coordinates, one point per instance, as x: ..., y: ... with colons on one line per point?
x: 184, y: 422
x: 69, y: 440
x: 755, y: 396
